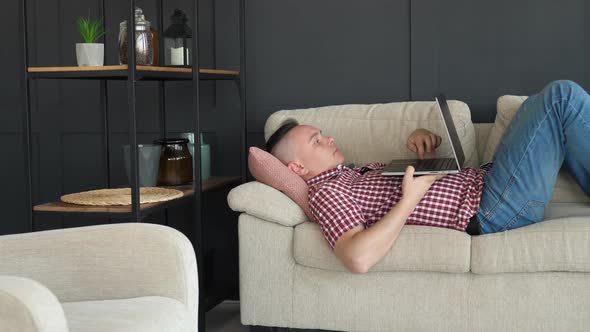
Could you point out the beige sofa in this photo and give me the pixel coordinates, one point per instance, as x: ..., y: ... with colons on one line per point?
x: 531, y: 279
x: 120, y: 277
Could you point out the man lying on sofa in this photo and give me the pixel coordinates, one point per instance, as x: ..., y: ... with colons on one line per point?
x: 362, y: 212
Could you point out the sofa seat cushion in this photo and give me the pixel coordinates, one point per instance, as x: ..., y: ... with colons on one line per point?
x: 553, y: 245
x: 149, y: 313
x: 418, y: 248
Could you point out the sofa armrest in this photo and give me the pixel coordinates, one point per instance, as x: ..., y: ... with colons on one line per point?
x: 106, y: 262
x: 26, y: 305
x: 267, y: 203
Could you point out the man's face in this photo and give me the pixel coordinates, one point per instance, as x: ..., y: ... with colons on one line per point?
x: 315, y: 152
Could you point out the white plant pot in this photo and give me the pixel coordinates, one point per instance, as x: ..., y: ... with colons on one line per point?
x: 90, y: 54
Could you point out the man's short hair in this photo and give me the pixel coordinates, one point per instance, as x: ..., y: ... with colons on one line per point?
x: 280, y: 133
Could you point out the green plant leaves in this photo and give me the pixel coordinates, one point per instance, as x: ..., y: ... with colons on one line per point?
x: 90, y: 30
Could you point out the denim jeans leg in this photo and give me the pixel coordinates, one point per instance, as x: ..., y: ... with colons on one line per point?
x: 549, y: 127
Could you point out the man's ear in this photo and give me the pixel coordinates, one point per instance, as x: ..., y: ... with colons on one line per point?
x: 297, y: 168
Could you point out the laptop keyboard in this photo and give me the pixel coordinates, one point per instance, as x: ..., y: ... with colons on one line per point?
x: 434, y: 164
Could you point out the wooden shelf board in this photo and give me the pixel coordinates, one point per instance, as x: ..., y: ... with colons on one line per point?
x: 73, y: 68
x: 124, y: 67
x: 187, y: 190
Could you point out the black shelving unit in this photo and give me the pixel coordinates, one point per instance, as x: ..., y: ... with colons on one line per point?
x: 134, y: 74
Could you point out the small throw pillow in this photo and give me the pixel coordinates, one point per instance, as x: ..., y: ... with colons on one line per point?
x: 507, y: 107
x: 267, y: 169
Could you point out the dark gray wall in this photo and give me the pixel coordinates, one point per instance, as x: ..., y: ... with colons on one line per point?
x: 300, y: 53
x: 478, y: 50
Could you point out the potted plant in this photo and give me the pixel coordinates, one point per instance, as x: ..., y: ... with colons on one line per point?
x: 90, y: 53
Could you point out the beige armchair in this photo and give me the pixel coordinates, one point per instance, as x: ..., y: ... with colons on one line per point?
x: 119, y: 277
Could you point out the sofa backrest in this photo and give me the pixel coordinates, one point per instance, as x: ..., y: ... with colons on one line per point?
x: 482, y: 133
x: 378, y: 132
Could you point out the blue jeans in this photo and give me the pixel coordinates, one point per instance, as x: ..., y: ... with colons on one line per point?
x: 550, y: 129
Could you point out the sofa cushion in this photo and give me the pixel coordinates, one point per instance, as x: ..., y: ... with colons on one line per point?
x: 506, y: 108
x: 378, y: 132
x: 267, y: 169
x: 265, y: 202
x: 561, y: 210
x: 566, y: 188
x: 150, y: 313
x: 553, y: 245
x: 418, y: 248
x: 482, y: 132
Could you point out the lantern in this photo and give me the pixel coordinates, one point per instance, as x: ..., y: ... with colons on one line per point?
x: 177, y: 40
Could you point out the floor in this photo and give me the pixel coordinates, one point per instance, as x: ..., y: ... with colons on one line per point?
x: 225, y: 317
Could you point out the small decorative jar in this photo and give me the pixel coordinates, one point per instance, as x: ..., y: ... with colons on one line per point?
x: 176, y: 163
x: 144, y: 40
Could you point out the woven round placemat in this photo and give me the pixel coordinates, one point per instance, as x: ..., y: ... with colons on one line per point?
x: 121, y: 196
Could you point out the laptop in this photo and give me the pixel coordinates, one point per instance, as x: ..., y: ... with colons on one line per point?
x: 436, y: 165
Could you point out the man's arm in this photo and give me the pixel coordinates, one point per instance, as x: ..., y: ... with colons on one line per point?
x: 359, y: 249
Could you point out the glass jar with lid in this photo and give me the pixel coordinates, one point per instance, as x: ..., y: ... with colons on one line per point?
x: 176, y: 162
x: 144, y: 40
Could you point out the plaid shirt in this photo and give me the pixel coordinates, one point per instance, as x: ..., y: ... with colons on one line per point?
x: 342, y: 198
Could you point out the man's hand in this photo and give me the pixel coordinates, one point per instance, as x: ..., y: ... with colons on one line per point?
x: 414, y: 188
x: 423, y: 142
x: 359, y: 248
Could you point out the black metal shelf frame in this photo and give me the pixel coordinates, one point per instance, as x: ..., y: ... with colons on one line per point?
x: 132, y: 75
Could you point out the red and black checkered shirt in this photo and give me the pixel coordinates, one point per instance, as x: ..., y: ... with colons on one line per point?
x: 342, y: 198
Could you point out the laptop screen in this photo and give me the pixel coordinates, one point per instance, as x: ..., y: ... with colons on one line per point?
x: 451, y: 131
